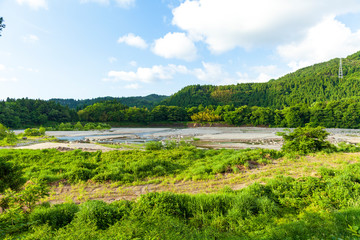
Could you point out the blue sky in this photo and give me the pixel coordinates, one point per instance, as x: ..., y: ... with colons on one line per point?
x: 90, y: 48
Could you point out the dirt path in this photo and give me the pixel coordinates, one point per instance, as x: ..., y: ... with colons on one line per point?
x: 108, y: 192
x: 90, y: 147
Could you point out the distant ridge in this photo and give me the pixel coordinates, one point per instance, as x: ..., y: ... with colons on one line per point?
x: 149, y: 101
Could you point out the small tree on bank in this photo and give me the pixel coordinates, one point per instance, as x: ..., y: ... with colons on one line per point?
x: 305, y: 140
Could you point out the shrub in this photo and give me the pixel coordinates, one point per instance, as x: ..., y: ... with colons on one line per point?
x: 34, y: 132
x: 100, y: 213
x: 7, y: 135
x: 306, y: 140
x: 56, y: 216
x: 10, y: 176
x: 151, y: 146
x: 79, y: 174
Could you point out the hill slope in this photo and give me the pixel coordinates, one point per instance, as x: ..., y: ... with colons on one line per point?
x: 311, y: 84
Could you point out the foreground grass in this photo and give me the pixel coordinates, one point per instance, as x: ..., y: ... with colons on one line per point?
x: 298, y: 167
x: 134, y: 166
x: 250, y: 194
x: 323, y: 207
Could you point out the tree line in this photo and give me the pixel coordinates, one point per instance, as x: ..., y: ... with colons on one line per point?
x: 22, y: 113
x: 343, y: 113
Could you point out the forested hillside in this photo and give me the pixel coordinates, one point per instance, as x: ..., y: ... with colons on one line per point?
x: 28, y: 112
x: 149, y: 101
x: 315, y: 83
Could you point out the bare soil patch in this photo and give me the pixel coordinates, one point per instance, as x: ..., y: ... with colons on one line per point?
x: 108, y: 192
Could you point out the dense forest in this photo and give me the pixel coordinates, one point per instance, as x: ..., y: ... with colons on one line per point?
x: 344, y: 113
x: 28, y: 112
x: 315, y: 83
x: 149, y: 101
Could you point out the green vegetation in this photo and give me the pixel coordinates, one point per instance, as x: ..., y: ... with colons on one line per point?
x: 306, y: 140
x: 34, y: 132
x: 149, y: 101
x: 312, y: 95
x: 321, y: 207
x: 317, y: 83
x: 24, y: 113
x: 180, y: 162
x: 79, y: 127
x: 324, y: 207
x: 7, y: 137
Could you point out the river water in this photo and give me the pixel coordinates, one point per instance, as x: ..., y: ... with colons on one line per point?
x: 212, y: 137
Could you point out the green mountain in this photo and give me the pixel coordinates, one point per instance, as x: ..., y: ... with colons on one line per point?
x: 149, y: 101
x: 315, y: 83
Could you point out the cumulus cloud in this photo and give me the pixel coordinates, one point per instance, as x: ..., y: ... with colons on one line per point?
x: 175, y: 45
x: 328, y: 39
x: 34, y: 4
x: 211, y: 72
x: 31, y: 38
x: 120, y: 3
x: 224, y: 25
x: 147, y: 75
x: 133, y: 40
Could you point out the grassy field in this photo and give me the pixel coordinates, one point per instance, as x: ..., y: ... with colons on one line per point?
x: 183, y: 193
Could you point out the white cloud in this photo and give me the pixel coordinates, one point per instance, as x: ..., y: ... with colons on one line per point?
x: 13, y: 79
x: 175, y: 45
x: 125, y: 3
x: 147, y: 75
x: 31, y: 38
x: 132, y: 40
x: 211, y: 72
x: 224, y: 25
x: 329, y: 39
x: 102, y: 2
x: 133, y: 63
x: 132, y: 86
x: 34, y: 4
x: 245, y: 78
x: 214, y: 73
x: 120, y: 3
x: 2, y: 67
x: 28, y: 69
x: 112, y: 59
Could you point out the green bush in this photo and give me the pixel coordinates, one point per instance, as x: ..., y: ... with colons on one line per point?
x: 34, y: 132
x: 11, y: 175
x: 306, y: 140
x: 100, y: 213
x: 56, y: 216
x: 151, y: 146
